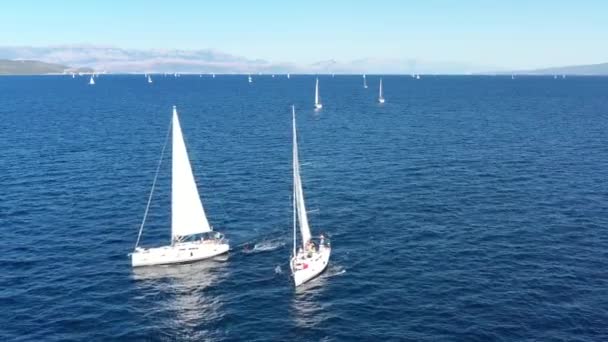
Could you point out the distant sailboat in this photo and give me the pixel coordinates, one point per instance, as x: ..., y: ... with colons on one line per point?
x: 91, y: 80
x: 312, y: 258
x: 318, y: 104
x: 288, y: 76
x: 249, y: 79
x: 149, y: 79
x: 192, y: 237
x: 417, y: 76
x: 380, y: 96
x: 364, y: 82
x: 213, y: 75
x: 73, y: 76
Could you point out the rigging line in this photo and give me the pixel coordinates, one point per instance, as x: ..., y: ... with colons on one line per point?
x: 162, y: 153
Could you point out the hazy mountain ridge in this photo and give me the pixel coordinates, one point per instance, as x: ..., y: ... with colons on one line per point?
x: 32, y: 67
x: 600, y: 69
x: 120, y: 60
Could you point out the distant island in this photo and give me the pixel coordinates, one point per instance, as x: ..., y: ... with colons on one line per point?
x: 31, y: 67
x: 600, y: 69
x: 583, y: 70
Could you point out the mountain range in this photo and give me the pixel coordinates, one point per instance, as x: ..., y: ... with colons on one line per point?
x: 111, y: 59
x: 30, y: 67
x: 120, y: 60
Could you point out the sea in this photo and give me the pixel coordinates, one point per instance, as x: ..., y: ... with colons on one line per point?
x: 465, y: 208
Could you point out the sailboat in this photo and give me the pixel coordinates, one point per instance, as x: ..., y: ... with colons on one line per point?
x: 213, y: 75
x: 364, y: 82
x: 149, y: 79
x: 380, y: 96
x: 91, y: 80
x: 312, y: 257
x: 288, y: 76
x: 318, y: 104
x: 249, y: 79
x: 192, y: 237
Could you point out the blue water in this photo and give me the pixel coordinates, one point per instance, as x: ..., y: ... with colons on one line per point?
x: 464, y: 209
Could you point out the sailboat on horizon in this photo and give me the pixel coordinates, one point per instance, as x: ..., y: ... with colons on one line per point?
x: 249, y: 79
x: 380, y: 95
x: 318, y: 104
x: 364, y: 82
x: 91, y: 80
x: 312, y: 257
x: 149, y: 79
x: 192, y: 237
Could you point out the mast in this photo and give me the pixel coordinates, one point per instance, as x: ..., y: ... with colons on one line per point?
x: 317, y: 92
x: 299, y: 193
x: 294, y: 156
x: 380, y: 96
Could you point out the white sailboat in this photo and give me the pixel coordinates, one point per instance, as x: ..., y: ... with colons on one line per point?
x: 312, y: 257
x: 149, y: 79
x: 417, y: 76
x: 249, y: 79
x: 380, y: 96
x: 288, y: 76
x: 91, y: 80
x: 318, y: 104
x: 364, y: 82
x: 192, y: 237
x: 213, y: 75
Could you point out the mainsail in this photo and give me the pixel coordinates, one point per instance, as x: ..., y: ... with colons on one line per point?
x: 317, y: 92
x: 187, y: 213
x: 300, y: 207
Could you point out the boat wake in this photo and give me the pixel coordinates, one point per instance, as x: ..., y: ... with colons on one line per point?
x: 263, y: 246
x: 334, y: 270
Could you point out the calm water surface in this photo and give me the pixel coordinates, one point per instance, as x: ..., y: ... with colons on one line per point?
x: 464, y: 209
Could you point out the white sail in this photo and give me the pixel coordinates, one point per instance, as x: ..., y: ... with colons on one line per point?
x: 317, y: 93
x: 380, y: 97
x: 187, y: 213
x: 249, y: 79
x: 364, y: 82
x: 149, y: 79
x: 91, y: 80
x: 300, y: 207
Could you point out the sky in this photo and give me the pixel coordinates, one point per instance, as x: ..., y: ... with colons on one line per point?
x: 513, y: 34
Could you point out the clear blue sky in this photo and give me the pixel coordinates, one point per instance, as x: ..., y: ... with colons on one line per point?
x: 514, y: 34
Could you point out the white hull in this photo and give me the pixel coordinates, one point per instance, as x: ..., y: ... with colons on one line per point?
x: 305, y: 269
x: 179, y: 253
x: 380, y: 100
x: 318, y: 106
